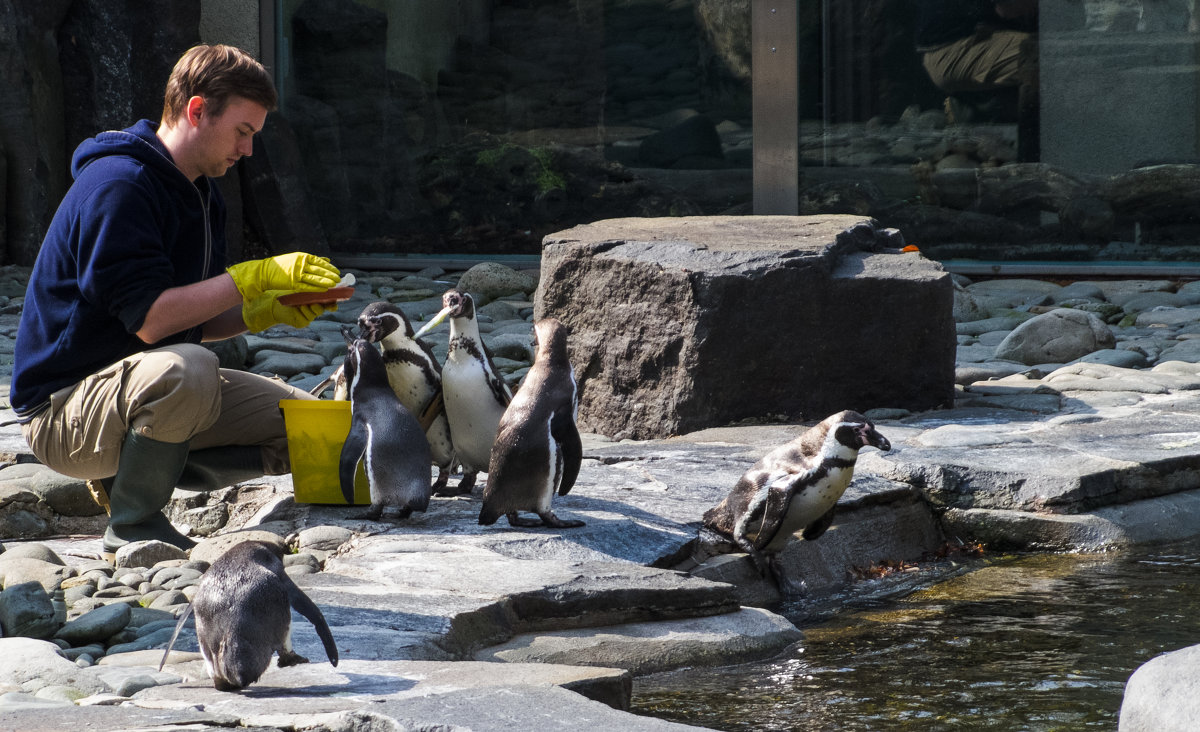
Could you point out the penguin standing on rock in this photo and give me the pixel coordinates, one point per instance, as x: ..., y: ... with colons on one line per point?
x: 793, y: 488
x: 475, y: 393
x: 384, y: 435
x: 537, y: 449
x: 243, y: 609
x: 416, y: 377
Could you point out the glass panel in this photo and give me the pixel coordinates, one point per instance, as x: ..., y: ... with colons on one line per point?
x: 1013, y: 130
x: 479, y: 126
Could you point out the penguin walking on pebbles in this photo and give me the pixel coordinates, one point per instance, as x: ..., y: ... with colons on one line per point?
x: 474, y: 392
x: 537, y: 450
x: 384, y: 435
x: 416, y: 377
x: 793, y: 488
x: 243, y: 615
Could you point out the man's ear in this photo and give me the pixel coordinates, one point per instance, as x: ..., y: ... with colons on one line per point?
x: 194, y: 110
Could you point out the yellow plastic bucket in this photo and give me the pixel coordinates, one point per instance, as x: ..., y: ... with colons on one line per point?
x: 316, y: 431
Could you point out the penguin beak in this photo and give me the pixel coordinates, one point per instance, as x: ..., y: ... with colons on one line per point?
x: 870, y: 436
x: 437, y: 320
x: 349, y: 334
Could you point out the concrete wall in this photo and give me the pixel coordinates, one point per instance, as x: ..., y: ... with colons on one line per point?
x: 421, y: 33
x: 232, y: 22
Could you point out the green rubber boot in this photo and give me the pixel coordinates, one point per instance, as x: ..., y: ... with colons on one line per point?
x: 147, y: 473
x: 214, y: 468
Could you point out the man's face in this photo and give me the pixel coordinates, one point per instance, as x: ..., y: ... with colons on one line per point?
x: 226, y: 138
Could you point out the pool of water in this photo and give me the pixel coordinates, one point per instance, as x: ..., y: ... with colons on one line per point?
x: 1022, y: 643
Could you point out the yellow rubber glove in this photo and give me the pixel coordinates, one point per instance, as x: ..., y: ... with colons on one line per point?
x: 296, y: 272
x: 265, y: 310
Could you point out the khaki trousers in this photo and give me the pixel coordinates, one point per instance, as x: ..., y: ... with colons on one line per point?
x: 173, y: 394
x: 980, y: 62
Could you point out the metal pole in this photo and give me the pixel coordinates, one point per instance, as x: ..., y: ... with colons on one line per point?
x: 775, y: 106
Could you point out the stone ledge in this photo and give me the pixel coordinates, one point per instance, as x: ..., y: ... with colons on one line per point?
x: 644, y: 648
x: 1164, y: 518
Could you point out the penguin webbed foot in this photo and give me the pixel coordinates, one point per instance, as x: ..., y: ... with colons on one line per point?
x: 371, y: 514
x: 439, y: 484
x: 554, y: 522
x: 290, y: 658
x: 465, y: 484
x: 544, y: 519
x: 516, y: 520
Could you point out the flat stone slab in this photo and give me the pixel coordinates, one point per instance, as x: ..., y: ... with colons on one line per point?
x: 372, y: 695
x: 1067, y: 463
x: 646, y: 648
x: 1165, y: 518
x: 319, y: 688
x: 463, y: 597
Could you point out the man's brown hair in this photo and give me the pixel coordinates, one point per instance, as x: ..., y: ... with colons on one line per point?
x: 217, y: 73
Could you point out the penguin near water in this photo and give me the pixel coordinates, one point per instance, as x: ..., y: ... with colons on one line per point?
x: 537, y: 450
x: 793, y: 488
x: 416, y: 377
x: 243, y: 607
x: 384, y: 435
x: 474, y: 392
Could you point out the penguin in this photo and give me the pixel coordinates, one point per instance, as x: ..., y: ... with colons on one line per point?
x: 793, y: 488
x: 243, y: 615
x: 336, y: 379
x: 416, y: 377
x: 537, y: 449
x: 383, y: 434
x: 475, y: 393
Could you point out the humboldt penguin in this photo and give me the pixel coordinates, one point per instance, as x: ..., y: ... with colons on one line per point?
x: 416, y: 377
x: 384, y: 435
x: 243, y: 615
x: 537, y: 449
x: 793, y: 488
x: 474, y: 392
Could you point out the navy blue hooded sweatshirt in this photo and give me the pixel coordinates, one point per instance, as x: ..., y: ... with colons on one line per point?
x: 131, y: 226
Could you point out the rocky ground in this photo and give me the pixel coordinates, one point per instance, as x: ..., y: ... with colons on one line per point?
x: 1077, y: 426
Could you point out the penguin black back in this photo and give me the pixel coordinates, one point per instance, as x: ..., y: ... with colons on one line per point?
x: 537, y: 450
x: 385, y: 435
x: 243, y: 616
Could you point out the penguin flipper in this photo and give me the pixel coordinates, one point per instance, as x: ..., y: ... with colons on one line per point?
x: 187, y: 611
x: 813, y: 531
x: 352, y: 452
x: 433, y: 410
x: 301, y: 603
x: 563, y: 429
x: 779, y: 495
x: 489, y: 513
x: 331, y: 380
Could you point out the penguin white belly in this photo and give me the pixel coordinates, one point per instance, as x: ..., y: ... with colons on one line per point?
x: 809, y: 505
x: 408, y: 381
x: 472, y: 410
x: 553, y: 473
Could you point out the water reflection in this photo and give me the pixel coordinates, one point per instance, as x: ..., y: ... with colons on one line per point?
x: 1028, y: 643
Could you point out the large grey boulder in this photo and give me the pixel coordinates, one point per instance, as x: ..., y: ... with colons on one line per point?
x: 683, y: 323
x: 1161, y: 694
x: 1058, y: 336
